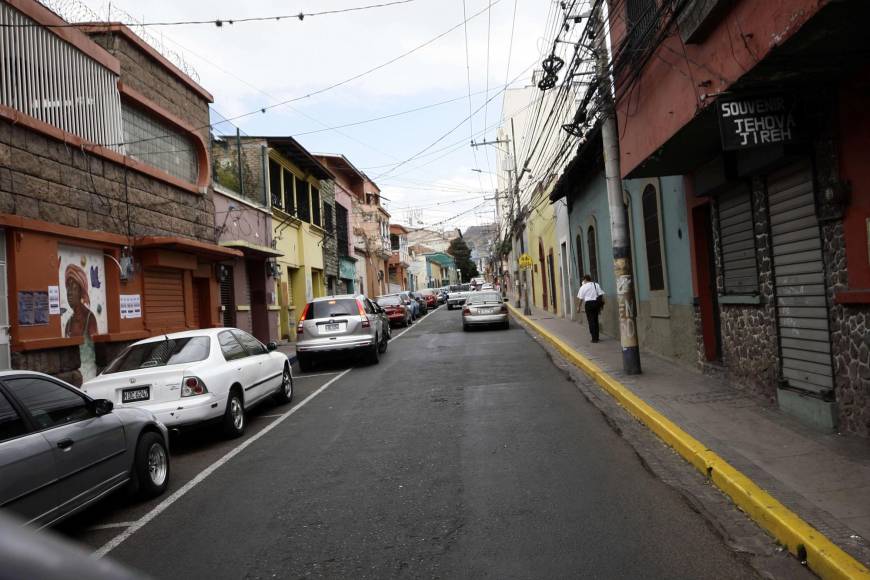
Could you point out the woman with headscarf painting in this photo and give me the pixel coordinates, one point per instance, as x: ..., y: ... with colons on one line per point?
x: 82, y: 322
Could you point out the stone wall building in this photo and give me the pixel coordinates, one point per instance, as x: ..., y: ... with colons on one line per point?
x: 105, y: 201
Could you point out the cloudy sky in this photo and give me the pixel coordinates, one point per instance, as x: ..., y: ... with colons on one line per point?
x: 247, y: 66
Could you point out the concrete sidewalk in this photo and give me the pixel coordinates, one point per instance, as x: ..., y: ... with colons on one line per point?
x: 823, y: 478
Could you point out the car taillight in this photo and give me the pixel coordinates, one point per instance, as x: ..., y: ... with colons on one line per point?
x: 191, y: 386
x: 364, y: 320
x: 466, y: 311
x: 504, y: 309
x: 302, y: 318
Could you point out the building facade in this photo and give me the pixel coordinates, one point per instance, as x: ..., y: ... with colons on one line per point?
x: 107, y: 172
x: 348, y: 185
x: 766, y: 117
x: 400, y: 259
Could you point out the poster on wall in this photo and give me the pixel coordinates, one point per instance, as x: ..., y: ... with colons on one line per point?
x: 131, y: 306
x: 54, y: 300
x: 32, y: 307
x: 82, y: 275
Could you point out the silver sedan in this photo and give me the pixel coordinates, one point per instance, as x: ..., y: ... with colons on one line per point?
x: 61, y: 450
x: 484, y: 309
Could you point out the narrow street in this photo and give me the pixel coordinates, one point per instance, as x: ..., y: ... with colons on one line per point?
x: 461, y: 455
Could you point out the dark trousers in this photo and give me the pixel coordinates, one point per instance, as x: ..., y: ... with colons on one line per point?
x: 592, y: 309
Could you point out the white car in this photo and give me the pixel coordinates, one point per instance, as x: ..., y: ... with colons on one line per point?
x: 194, y: 376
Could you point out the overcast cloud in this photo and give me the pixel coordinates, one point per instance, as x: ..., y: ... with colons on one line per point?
x: 250, y: 65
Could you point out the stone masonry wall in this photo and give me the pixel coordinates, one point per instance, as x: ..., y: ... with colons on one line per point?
x: 750, y: 350
x: 330, y: 244
x: 148, y: 77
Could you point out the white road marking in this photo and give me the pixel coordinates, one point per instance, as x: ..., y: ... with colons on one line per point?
x: 271, y: 416
x: 182, y: 491
x: 317, y: 375
x: 110, y: 526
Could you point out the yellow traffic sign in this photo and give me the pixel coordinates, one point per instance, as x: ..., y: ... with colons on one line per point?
x: 525, y: 261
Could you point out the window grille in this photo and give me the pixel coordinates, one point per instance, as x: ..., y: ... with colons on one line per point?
x: 157, y: 144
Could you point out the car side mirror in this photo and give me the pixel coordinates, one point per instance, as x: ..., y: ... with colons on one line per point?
x: 102, y: 407
x: 272, y: 345
x: 505, y: 299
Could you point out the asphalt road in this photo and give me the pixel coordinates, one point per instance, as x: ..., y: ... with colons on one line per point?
x: 461, y: 455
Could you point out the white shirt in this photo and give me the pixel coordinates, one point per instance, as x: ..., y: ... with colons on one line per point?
x: 589, y: 291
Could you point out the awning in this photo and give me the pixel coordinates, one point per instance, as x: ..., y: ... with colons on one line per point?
x: 253, y: 250
x: 202, y: 249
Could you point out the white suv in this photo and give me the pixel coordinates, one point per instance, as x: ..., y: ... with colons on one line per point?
x: 338, y: 325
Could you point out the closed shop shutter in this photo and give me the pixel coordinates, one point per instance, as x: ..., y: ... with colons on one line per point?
x: 739, y: 267
x: 164, y: 298
x: 196, y: 299
x: 801, y: 304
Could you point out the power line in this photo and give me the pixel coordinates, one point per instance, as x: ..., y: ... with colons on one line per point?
x: 221, y: 22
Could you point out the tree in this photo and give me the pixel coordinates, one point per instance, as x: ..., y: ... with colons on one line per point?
x: 462, y: 256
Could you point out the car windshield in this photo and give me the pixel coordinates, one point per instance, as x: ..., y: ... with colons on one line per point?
x: 332, y: 308
x: 172, y: 351
x: 484, y: 297
x: 388, y: 301
x: 465, y: 288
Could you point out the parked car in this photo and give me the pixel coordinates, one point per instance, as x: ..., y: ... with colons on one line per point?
x: 334, y: 326
x: 421, y: 300
x: 442, y: 295
x: 411, y: 303
x: 396, y: 311
x: 456, y: 299
x: 485, y: 309
x: 191, y: 377
x: 431, y: 298
x: 62, y: 450
x: 487, y: 286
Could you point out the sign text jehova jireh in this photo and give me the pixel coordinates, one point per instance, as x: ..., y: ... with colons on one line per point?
x: 746, y: 122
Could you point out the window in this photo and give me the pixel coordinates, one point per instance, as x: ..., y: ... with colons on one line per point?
x: 327, y: 218
x: 641, y: 23
x: 231, y: 348
x: 303, y: 207
x: 289, y: 198
x: 49, y: 403
x: 332, y: 308
x: 251, y: 344
x: 391, y: 300
x: 174, y: 351
x: 50, y: 80
x: 737, y: 241
x: 341, y: 231
x: 652, y: 233
x: 275, y: 184
x: 11, y: 424
x: 579, y: 246
x: 159, y: 144
x: 394, y: 241
x: 315, y: 206
x: 593, y: 253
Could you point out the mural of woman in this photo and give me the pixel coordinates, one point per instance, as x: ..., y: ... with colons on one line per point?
x: 82, y: 322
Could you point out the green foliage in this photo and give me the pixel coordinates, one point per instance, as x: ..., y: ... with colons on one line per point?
x: 462, y: 256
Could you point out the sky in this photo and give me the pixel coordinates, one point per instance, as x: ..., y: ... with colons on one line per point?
x: 247, y: 66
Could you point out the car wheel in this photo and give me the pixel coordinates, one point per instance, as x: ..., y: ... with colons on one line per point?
x: 304, y: 363
x: 382, y: 346
x: 234, y: 416
x: 506, y: 325
x: 285, y: 391
x: 151, y: 467
x: 375, y: 354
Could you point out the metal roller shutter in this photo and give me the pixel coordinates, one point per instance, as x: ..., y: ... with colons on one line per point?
x: 164, y: 298
x: 801, y: 303
x: 739, y: 267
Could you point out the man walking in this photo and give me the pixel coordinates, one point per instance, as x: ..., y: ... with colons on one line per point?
x: 591, y: 297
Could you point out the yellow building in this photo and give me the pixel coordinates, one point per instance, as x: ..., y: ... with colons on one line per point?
x: 544, y: 277
x: 294, y: 178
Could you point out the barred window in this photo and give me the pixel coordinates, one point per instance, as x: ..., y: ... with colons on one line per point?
x: 275, y: 184
x: 303, y: 202
x: 641, y: 23
x: 737, y: 239
x: 341, y: 231
x: 289, y: 198
x: 653, y: 237
x: 159, y: 145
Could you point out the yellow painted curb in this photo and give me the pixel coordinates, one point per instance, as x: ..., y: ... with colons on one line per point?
x: 822, y: 556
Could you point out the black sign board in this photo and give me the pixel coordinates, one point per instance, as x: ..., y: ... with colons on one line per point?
x: 746, y: 122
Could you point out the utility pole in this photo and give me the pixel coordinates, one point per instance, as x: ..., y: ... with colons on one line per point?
x: 622, y: 270
x: 527, y: 310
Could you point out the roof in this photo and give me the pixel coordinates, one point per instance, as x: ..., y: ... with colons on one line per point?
x: 340, y: 159
x: 251, y: 249
x: 399, y: 227
x: 587, y: 162
x: 295, y: 152
x: 187, y: 245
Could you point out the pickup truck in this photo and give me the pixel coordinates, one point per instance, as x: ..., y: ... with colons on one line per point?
x: 456, y: 299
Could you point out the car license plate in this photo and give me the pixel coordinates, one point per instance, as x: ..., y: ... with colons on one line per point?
x: 137, y: 394
x: 331, y: 327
